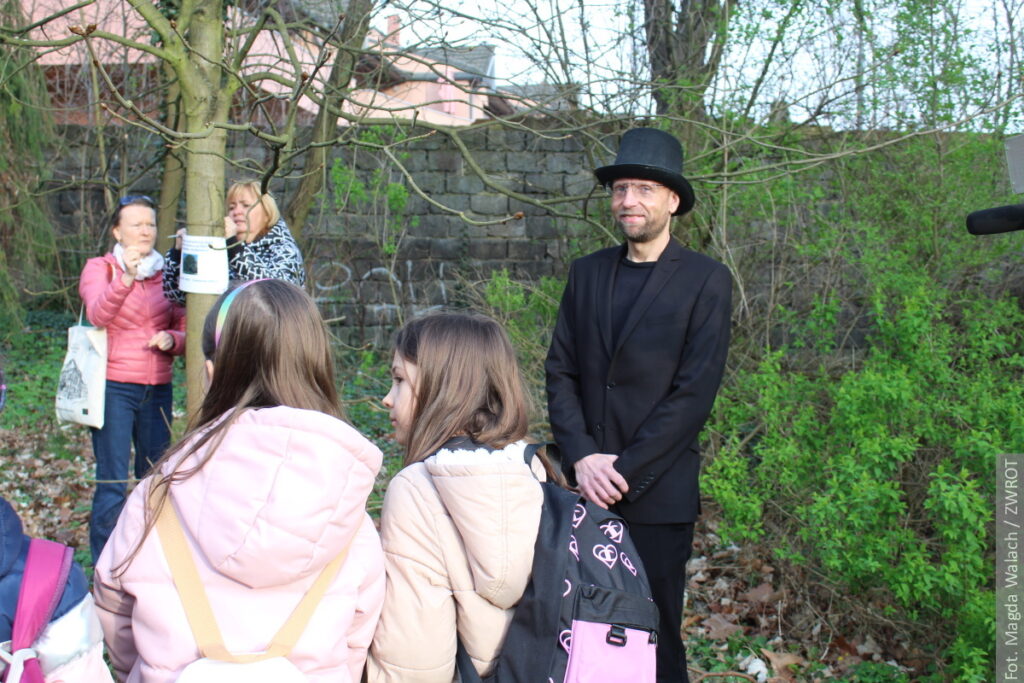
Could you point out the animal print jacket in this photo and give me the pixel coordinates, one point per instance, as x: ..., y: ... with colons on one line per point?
x: 275, y: 255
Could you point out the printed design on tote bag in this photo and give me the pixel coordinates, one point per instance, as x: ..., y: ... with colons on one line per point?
x: 608, y: 554
x: 71, y: 385
x: 613, y: 529
x: 568, y: 587
x: 578, y: 513
x: 574, y: 548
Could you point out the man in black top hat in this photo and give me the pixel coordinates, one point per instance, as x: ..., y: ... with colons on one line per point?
x: 636, y: 358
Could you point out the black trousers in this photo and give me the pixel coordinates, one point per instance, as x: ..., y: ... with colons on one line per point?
x: 664, y: 550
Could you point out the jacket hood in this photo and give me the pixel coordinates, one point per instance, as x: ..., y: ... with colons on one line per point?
x: 284, y: 483
x: 495, y: 502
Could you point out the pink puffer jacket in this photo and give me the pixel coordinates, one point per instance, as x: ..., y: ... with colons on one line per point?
x: 282, y: 495
x: 131, y: 316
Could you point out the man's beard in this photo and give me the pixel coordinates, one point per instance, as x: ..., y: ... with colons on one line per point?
x: 646, y: 234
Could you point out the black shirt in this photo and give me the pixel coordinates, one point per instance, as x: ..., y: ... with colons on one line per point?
x: 630, y: 278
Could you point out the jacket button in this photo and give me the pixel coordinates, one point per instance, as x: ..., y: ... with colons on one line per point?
x: 609, y: 385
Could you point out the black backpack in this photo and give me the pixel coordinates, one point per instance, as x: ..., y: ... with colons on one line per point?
x: 587, y: 613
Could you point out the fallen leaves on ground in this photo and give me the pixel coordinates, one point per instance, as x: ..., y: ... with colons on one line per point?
x: 781, y: 663
x: 733, y: 590
x: 47, y: 474
x: 720, y: 628
x: 48, y: 478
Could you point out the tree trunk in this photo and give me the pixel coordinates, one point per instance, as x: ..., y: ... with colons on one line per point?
x: 205, y: 100
x: 684, y: 48
x: 353, y: 33
x: 172, y: 181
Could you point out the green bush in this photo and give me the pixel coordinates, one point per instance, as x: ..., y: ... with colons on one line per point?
x: 872, y: 461
x: 528, y: 313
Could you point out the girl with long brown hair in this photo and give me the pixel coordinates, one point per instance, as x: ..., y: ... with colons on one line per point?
x: 269, y: 485
x: 459, y: 522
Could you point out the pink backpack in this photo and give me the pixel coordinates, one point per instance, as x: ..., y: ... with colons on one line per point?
x: 42, y: 584
x: 587, y: 613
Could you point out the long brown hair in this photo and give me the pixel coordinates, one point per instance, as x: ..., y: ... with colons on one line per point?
x: 272, y: 349
x: 468, y: 382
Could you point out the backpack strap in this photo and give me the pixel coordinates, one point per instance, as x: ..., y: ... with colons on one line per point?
x: 534, y: 624
x: 197, y: 605
x: 464, y: 664
x: 42, y: 584
x: 531, y: 450
x: 550, y: 450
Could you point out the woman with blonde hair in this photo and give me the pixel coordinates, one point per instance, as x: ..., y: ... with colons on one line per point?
x: 459, y: 522
x: 258, y: 242
x: 268, y: 487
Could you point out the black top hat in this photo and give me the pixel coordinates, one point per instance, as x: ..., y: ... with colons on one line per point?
x: 650, y: 154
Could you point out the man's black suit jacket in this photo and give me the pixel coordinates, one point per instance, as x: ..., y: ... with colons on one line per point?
x: 647, y: 398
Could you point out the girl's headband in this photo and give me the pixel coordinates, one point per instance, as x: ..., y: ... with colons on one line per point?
x: 222, y: 314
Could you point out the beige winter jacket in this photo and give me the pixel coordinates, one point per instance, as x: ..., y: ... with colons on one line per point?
x: 458, y: 531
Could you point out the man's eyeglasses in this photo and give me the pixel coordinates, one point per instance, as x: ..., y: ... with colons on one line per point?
x: 133, y: 198
x: 642, y: 190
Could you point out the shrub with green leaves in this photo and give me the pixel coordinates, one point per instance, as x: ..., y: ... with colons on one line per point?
x: 872, y: 460
x: 528, y: 311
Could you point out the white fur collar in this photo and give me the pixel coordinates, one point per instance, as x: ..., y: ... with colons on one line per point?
x: 510, y: 453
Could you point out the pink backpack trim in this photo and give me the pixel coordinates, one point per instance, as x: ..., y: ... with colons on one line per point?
x: 42, y: 584
x: 600, y: 652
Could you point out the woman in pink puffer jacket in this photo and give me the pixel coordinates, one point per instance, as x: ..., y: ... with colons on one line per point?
x: 122, y: 292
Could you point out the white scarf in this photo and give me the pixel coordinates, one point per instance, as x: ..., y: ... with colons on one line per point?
x: 150, y: 265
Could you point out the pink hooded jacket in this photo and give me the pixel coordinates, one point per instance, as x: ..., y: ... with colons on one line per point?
x: 283, y: 494
x: 131, y: 316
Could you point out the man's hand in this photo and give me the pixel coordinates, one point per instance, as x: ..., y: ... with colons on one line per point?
x: 599, y: 481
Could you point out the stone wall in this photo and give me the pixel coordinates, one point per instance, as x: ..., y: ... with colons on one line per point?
x: 371, y: 269
x: 373, y: 262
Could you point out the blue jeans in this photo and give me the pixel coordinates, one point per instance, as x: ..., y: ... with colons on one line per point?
x: 138, y: 414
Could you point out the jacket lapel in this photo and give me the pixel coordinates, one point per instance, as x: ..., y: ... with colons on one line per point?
x: 605, y: 285
x: 664, y: 269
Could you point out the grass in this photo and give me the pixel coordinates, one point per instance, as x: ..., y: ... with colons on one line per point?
x: 721, y: 661
x: 33, y: 359
x: 47, y: 473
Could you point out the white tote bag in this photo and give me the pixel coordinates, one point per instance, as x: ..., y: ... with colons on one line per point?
x: 83, y: 378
